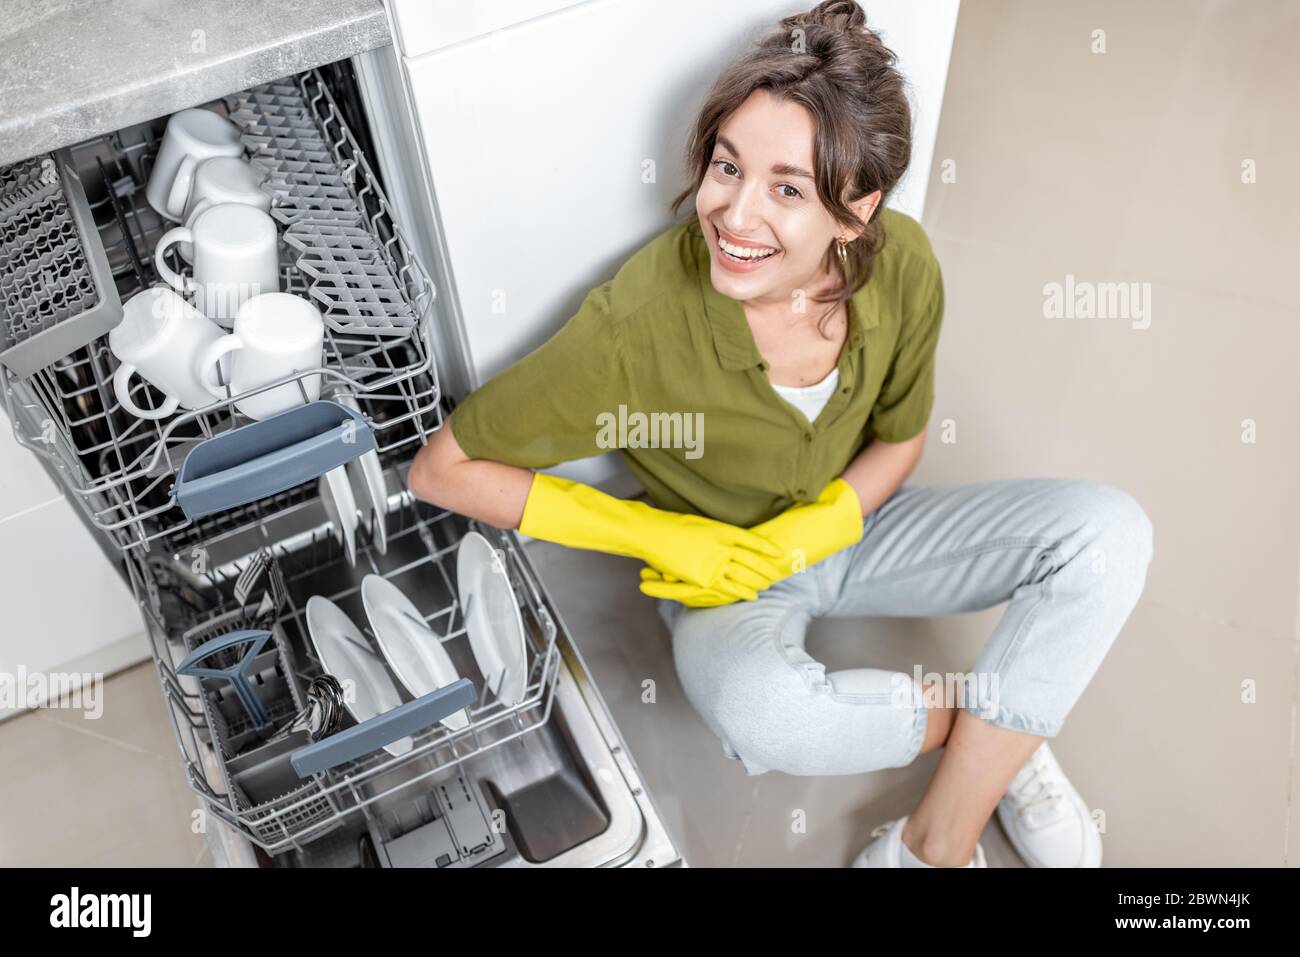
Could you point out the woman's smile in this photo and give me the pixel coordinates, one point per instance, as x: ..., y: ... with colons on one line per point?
x: 737, y: 256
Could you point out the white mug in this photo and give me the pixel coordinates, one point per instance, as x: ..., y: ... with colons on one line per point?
x: 236, y: 257
x: 276, y: 335
x: 162, y: 337
x: 223, y: 179
x: 191, y: 137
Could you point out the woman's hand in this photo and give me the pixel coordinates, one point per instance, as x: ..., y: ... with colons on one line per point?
x: 658, y: 585
x: 804, y: 534
x: 700, y: 551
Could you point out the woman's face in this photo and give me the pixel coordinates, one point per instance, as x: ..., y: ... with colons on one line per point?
x: 759, y: 195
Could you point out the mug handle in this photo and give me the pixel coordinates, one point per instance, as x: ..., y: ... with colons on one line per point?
x: 122, y: 389
x: 180, y: 234
x: 180, y: 191
x: 208, y: 360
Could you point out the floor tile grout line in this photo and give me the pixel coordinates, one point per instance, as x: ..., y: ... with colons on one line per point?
x: 744, y: 828
x: 125, y: 745
x: 30, y: 509
x: 1291, y: 764
x: 1207, y: 618
x: 962, y: 239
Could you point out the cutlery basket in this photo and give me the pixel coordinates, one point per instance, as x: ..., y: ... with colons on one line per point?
x: 57, y: 291
x: 253, y: 762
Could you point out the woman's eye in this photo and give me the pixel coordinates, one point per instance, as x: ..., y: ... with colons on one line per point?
x: 726, y: 166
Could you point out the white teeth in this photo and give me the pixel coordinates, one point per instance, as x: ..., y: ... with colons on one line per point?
x: 744, y: 252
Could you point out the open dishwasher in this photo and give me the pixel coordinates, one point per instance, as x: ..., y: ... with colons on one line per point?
x: 222, y: 551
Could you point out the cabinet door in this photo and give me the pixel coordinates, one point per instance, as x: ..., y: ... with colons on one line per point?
x: 421, y: 27
x: 65, y: 607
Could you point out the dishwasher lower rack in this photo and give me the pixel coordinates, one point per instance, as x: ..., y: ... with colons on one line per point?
x: 181, y: 606
x: 376, y: 297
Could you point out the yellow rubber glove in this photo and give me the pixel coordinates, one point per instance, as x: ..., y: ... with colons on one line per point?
x: 696, y: 550
x: 806, y: 534
x: 657, y: 586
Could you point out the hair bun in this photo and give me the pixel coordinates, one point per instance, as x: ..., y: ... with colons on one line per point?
x: 843, y: 16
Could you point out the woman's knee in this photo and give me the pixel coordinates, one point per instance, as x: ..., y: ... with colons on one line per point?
x: 778, y: 715
x: 1117, y: 542
x: 1117, y: 524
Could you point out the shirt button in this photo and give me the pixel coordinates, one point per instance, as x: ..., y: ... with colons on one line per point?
x: 844, y: 391
x: 807, y: 437
x: 800, y: 492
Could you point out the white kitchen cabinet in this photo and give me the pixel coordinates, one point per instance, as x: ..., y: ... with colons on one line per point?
x: 65, y: 607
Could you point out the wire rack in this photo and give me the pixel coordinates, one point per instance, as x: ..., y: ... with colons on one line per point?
x: 377, y: 347
x: 322, y: 186
x: 56, y: 293
x: 41, y: 241
x: 421, y: 560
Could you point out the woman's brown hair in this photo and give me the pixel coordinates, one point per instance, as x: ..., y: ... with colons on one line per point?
x: 843, y: 74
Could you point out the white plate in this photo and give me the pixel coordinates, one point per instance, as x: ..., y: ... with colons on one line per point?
x: 414, y: 652
x: 341, y: 507
x: 367, y: 475
x: 496, y: 632
x: 345, y: 654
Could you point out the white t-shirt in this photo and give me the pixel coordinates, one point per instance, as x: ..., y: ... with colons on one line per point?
x: 810, y: 399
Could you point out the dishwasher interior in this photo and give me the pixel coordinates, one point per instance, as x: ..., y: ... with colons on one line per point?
x: 532, y: 784
x: 542, y: 781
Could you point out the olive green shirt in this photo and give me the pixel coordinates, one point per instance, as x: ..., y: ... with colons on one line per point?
x: 660, y: 365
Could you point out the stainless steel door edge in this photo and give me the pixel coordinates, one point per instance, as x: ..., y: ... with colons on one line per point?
x: 656, y: 848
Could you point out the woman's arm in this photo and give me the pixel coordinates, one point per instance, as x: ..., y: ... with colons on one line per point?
x: 881, y: 468
x: 444, y: 475
x: 712, y: 554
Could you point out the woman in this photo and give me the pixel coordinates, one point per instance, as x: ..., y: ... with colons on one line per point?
x: 767, y: 370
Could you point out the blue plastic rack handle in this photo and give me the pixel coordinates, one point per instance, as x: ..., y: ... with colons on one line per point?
x: 405, y: 719
x: 271, y: 456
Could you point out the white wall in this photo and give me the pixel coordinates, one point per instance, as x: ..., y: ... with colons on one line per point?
x: 536, y: 118
x: 64, y: 606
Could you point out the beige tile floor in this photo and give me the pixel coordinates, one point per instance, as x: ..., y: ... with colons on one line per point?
x: 102, y: 792
x: 1115, y: 167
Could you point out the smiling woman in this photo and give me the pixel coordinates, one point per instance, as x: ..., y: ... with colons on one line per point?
x: 800, y: 318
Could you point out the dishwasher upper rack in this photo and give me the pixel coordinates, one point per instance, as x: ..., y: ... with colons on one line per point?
x: 322, y: 188
x: 120, y: 468
x: 423, y: 541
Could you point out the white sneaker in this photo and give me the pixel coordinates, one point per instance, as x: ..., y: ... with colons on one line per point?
x: 886, y: 850
x: 1046, y: 819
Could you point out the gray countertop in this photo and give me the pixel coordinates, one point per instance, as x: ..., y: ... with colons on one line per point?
x: 73, y: 69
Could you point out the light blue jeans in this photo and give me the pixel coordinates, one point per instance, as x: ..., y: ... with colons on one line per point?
x: 1069, y: 556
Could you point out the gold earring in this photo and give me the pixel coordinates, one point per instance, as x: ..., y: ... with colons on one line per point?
x: 842, y: 250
